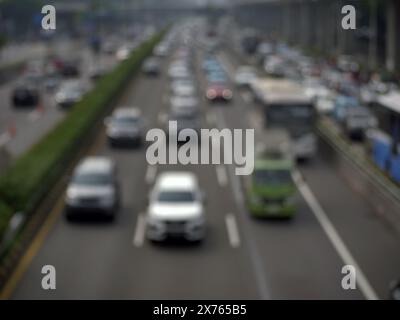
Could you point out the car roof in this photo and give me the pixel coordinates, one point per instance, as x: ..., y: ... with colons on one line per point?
x: 245, y: 69
x: 67, y: 84
x: 127, y: 112
x: 181, y: 101
x: 177, y: 180
x: 95, y: 164
x: 273, y: 164
x: 281, y: 91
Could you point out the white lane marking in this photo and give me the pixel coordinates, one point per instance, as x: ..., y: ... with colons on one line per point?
x: 140, y: 231
x: 251, y: 246
x: 333, y: 236
x: 222, y: 176
x: 233, y: 232
x: 151, y: 173
x: 4, y: 138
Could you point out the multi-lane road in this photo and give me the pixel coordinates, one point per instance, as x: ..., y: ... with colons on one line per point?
x: 241, y: 257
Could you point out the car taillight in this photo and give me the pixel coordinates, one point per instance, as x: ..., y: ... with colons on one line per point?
x: 227, y: 94
x: 211, y: 94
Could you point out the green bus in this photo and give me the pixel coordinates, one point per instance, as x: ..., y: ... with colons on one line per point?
x: 270, y: 189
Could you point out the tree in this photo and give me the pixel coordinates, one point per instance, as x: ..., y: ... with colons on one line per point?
x: 3, y: 42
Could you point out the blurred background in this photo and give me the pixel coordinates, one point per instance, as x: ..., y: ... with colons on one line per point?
x: 76, y: 190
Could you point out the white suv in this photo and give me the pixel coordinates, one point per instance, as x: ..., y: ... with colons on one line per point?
x: 176, y: 208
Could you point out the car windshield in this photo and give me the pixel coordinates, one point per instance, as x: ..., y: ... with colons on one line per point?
x: 92, y: 179
x: 272, y: 177
x: 176, y: 196
x: 125, y: 120
x: 290, y: 115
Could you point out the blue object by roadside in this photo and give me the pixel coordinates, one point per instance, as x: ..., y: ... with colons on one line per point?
x: 395, y: 168
x: 381, y: 153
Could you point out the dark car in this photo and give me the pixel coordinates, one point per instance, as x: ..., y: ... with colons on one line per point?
x: 151, y: 66
x: 25, y: 94
x: 70, y: 68
x: 125, y: 127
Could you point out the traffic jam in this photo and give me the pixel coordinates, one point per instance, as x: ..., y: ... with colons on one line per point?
x: 209, y: 160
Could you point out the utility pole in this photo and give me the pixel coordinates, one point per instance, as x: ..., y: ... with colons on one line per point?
x: 373, y: 35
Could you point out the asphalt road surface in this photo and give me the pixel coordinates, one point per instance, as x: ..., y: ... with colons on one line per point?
x: 241, y: 257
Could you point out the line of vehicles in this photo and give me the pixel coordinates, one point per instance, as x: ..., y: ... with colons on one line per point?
x: 65, y: 74
x: 287, y: 137
x: 334, y: 88
x: 57, y: 75
x: 294, y: 90
x: 362, y: 107
x: 176, y: 202
x: 176, y: 205
x: 218, y: 89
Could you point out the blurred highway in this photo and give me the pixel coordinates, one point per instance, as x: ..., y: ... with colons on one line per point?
x: 23, y: 127
x: 241, y: 257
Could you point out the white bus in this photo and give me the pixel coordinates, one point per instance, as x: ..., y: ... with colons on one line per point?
x: 287, y: 106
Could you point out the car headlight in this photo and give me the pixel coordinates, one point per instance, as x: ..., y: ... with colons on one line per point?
x: 227, y: 94
x: 71, y: 198
x: 115, y: 132
x: 60, y: 97
x: 211, y: 94
x: 198, y: 222
x: 155, y: 223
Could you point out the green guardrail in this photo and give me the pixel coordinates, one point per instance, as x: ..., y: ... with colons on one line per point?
x: 32, y: 175
x: 359, y: 160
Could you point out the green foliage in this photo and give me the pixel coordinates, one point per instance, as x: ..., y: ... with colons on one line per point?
x: 3, y: 41
x: 5, y: 216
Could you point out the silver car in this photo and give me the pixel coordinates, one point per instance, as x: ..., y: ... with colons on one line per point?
x: 93, y: 190
x: 183, y: 88
x: 70, y: 92
x: 125, y: 127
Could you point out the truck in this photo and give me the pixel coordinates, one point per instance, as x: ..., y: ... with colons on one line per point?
x: 286, y: 105
x: 270, y: 189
